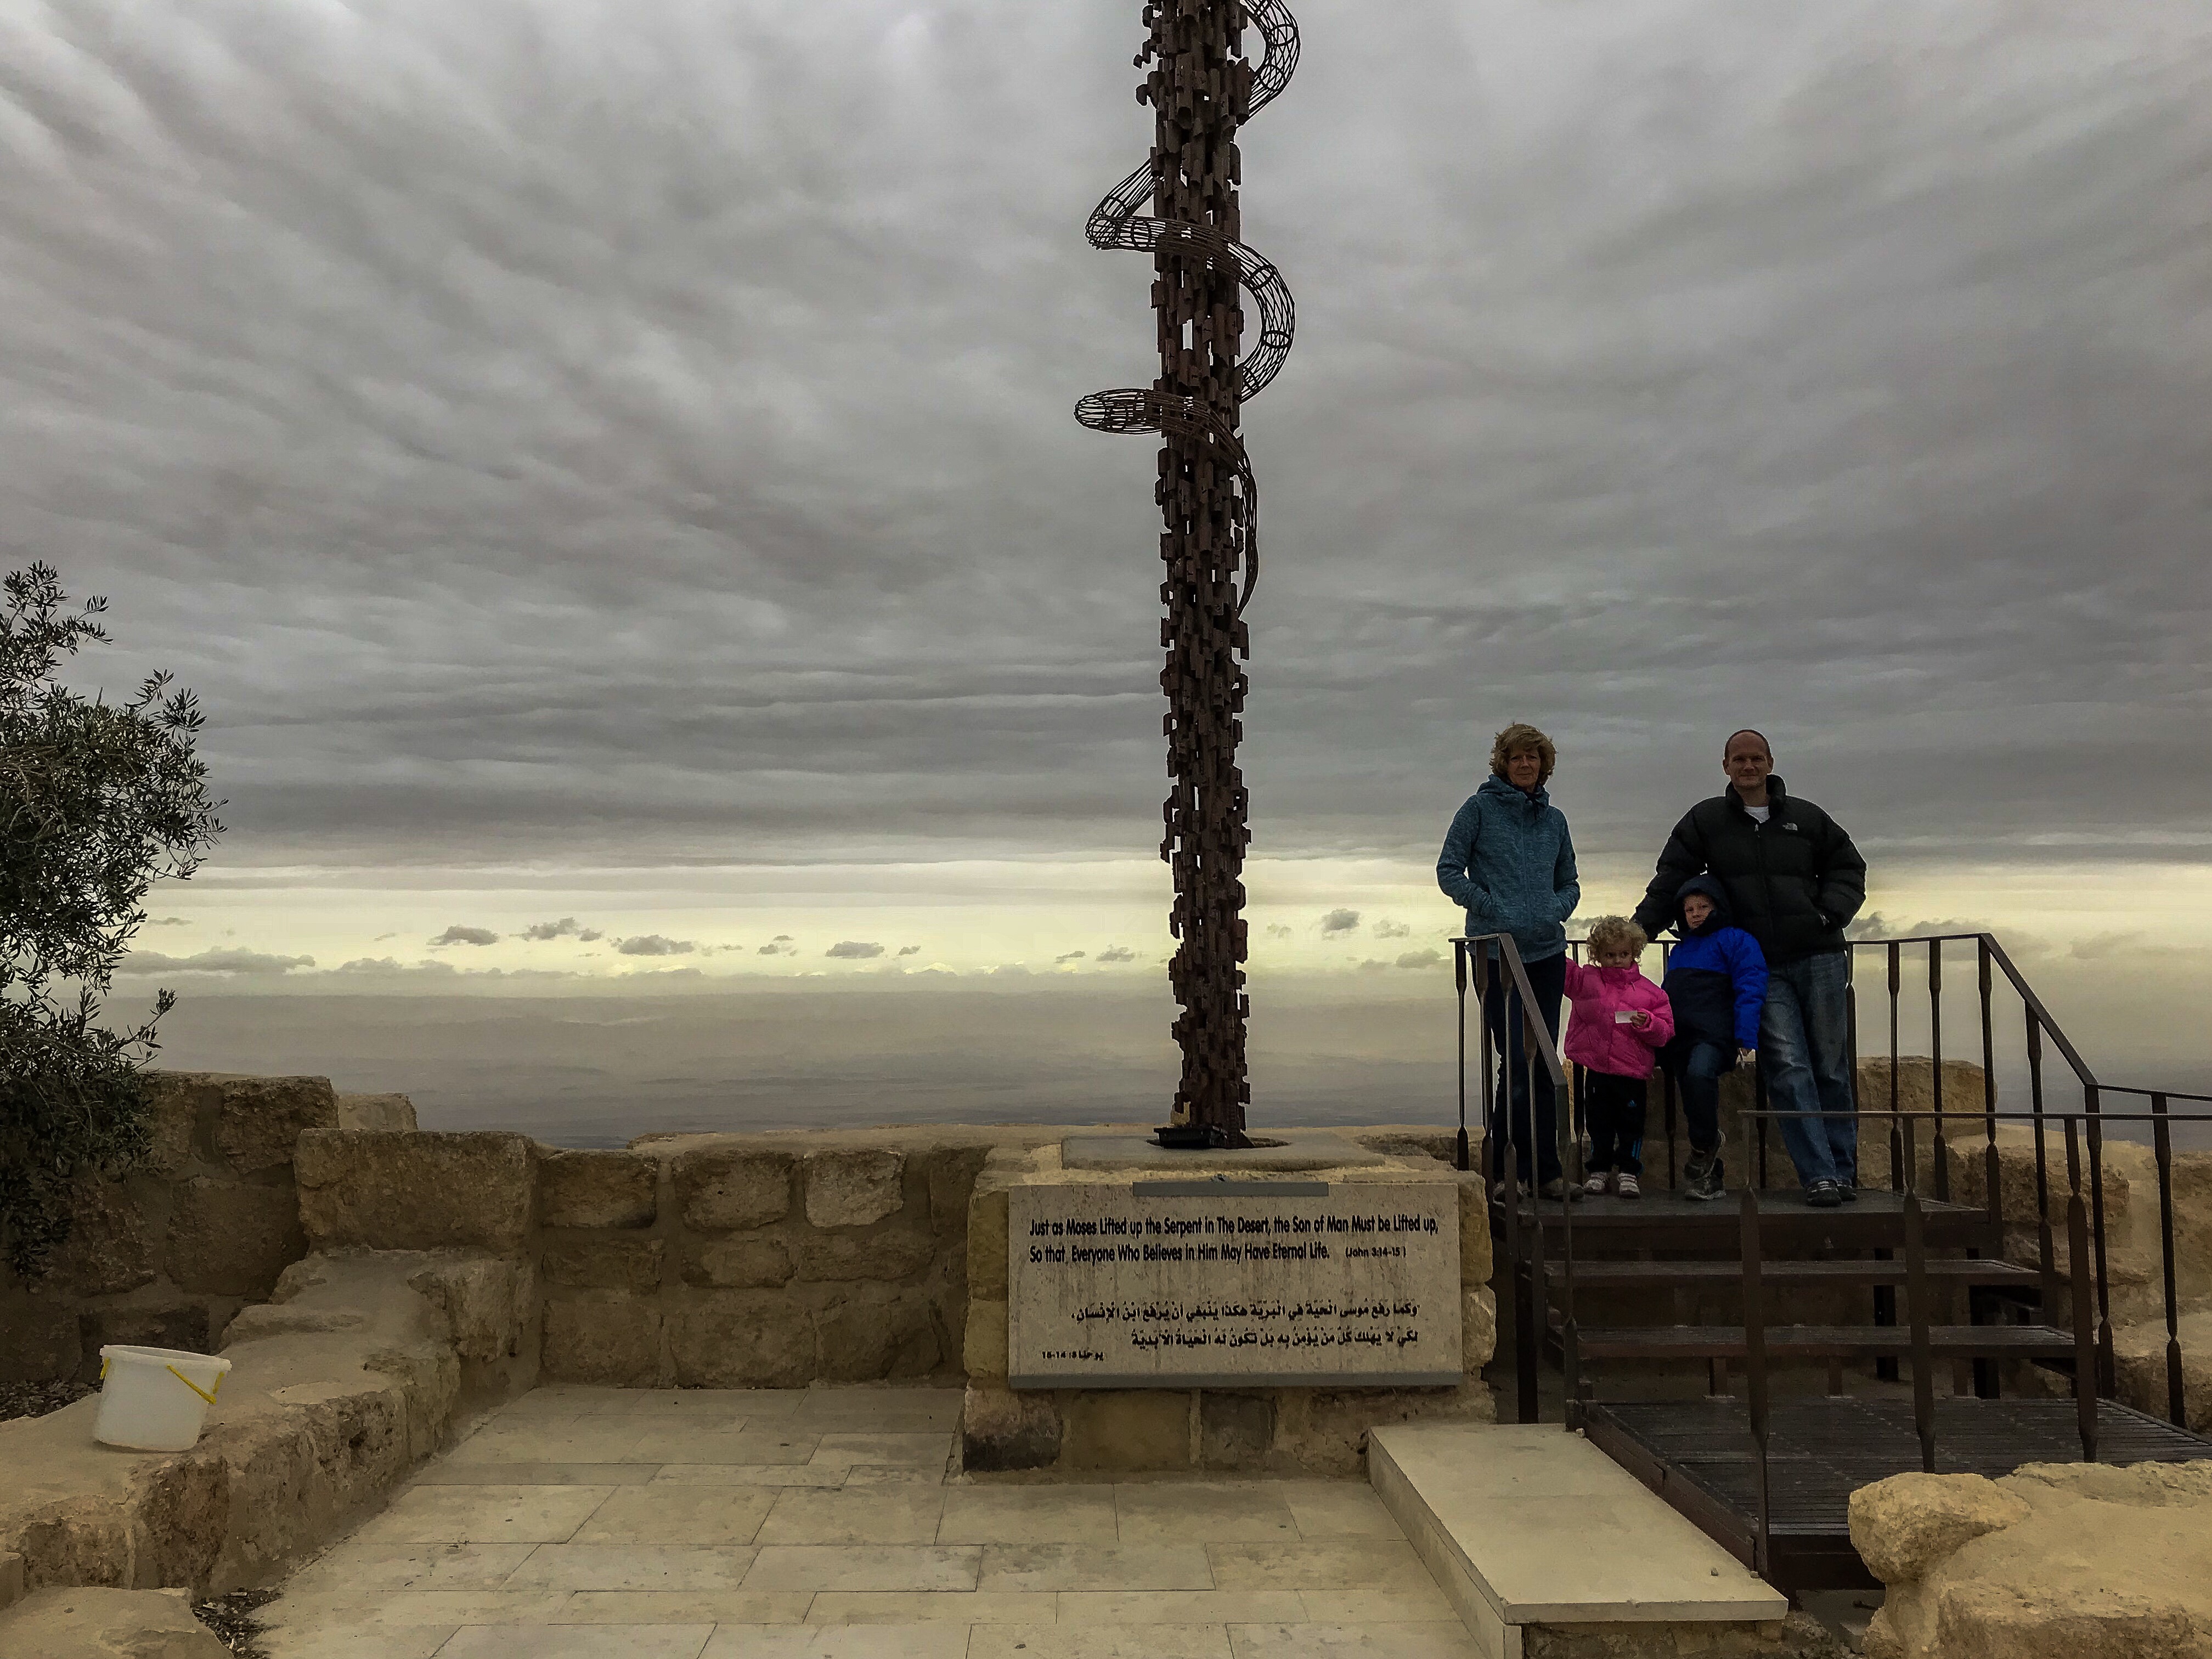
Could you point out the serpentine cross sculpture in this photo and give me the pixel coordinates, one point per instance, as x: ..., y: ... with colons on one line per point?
x: 1202, y: 89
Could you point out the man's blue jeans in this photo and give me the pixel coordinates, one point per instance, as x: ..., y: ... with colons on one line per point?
x: 1804, y: 1049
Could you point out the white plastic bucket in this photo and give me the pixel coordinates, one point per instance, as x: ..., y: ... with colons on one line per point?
x: 154, y: 1399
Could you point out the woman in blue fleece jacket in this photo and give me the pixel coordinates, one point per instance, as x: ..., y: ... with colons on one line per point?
x: 1716, y: 983
x: 1509, y: 863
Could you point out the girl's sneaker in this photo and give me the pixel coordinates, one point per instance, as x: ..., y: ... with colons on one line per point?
x: 1598, y: 1183
x: 1627, y: 1186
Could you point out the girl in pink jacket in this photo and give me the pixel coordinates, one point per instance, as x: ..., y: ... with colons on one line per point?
x: 1620, y: 1020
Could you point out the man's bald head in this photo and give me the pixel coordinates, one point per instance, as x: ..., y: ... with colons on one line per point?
x: 1748, y: 758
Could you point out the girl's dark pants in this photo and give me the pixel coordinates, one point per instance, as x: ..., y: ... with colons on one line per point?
x: 1519, y: 1071
x: 1613, y: 1111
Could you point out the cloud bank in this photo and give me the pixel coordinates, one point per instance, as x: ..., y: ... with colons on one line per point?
x: 559, y: 432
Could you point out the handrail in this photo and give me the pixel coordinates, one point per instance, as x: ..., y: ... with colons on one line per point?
x: 1511, y: 954
x: 1530, y: 1317
x: 2059, y: 1189
x: 2093, y: 1379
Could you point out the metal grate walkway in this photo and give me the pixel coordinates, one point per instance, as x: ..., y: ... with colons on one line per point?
x: 1699, y: 1456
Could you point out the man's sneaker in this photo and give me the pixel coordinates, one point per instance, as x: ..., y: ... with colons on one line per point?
x: 1599, y: 1183
x: 1824, y: 1196
x: 1627, y: 1185
x: 1702, y: 1177
x: 1849, y: 1190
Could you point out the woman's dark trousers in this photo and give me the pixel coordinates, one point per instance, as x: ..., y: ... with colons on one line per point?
x: 1520, y: 1072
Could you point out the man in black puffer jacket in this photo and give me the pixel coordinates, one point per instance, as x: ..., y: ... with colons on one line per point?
x: 1794, y: 879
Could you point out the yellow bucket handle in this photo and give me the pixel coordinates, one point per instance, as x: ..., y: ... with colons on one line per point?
x: 207, y: 1394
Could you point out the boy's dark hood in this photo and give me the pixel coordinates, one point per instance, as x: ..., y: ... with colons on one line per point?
x: 1712, y: 889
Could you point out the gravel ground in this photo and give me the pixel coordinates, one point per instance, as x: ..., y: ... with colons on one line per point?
x: 37, y: 1399
x: 232, y: 1618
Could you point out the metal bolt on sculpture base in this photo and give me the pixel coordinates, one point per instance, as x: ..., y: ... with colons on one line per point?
x: 1202, y: 88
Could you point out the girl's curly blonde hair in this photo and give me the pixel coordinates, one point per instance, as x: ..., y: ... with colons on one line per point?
x: 1521, y: 735
x: 1610, y: 933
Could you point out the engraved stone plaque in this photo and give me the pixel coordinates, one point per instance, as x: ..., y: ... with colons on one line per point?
x: 1190, y: 1284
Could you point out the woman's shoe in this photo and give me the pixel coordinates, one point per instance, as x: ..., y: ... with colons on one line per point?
x: 1599, y: 1183
x: 1702, y: 1178
x: 1627, y: 1185
x: 1558, y: 1192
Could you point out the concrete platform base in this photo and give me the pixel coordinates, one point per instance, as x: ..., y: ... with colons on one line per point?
x: 1525, y: 1525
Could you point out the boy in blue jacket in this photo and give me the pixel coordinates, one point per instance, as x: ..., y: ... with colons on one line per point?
x: 1717, y: 984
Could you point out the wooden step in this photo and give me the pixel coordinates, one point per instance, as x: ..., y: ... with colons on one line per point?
x: 1788, y: 1228
x: 1948, y: 1270
x: 1821, y: 1341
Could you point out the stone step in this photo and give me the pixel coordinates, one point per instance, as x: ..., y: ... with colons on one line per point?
x: 1526, y: 1524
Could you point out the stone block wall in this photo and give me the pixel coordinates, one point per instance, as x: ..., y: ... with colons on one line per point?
x: 202, y: 1227
x: 759, y: 1261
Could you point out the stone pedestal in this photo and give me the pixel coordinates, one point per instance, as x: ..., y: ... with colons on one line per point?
x: 1131, y: 1307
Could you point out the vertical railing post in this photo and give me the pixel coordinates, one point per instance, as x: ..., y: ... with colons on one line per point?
x: 1569, y: 1337
x: 1486, y: 1077
x: 2045, y: 1248
x: 1916, y: 1310
x: 2162, y: 1150
x: 2107, y: 1377
x: 1942, y: 1154
x: 1896, y: 1106
x: 1759, y: 1106
x: 1755, y: 1356
x: 2077, y: 1254
x: 1666, y: 1090
x: 1991, y: 1172
x: 1458, y: 978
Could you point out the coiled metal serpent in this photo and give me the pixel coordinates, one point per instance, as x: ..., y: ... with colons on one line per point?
x: 1118, y: 222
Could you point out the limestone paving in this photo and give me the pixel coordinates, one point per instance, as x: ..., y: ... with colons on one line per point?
x: 827, y: 1522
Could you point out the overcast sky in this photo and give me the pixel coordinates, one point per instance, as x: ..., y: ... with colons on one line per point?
x: 613, y: 461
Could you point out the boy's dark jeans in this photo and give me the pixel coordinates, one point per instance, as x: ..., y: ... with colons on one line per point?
x: 1699, y: 1074
x: 1512, y: 1098
x: 1613, y: 1110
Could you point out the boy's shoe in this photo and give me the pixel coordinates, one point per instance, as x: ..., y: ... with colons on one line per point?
x: 1824, y: 1196
x: 1599, y: 1183
x: 1702, y: 1177
x: 1627, y: 1185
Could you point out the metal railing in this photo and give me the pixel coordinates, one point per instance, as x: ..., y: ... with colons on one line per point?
x: 1503, y: 972
x: 2086, y: 1304
x: 1952, y: 1124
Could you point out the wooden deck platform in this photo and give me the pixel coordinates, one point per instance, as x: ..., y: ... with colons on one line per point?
x: 1698, y: 1455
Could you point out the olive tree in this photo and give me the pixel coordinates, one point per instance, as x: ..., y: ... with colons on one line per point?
x: 97, y: 801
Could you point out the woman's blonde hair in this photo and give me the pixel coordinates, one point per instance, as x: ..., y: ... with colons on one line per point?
x: 1521, y: 735
x: 1610, y: 934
